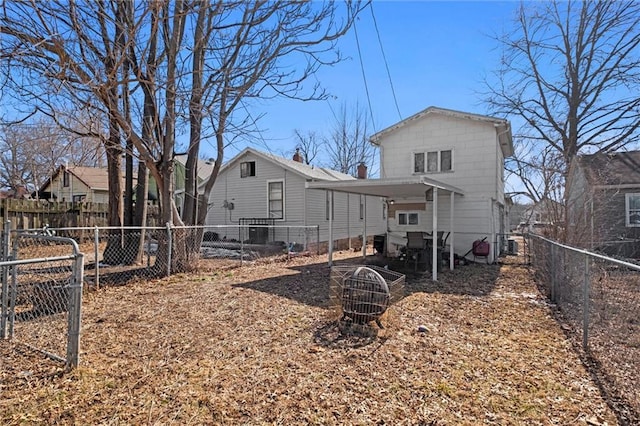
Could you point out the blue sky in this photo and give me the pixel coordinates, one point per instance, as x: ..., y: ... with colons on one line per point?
x: 438, y: 53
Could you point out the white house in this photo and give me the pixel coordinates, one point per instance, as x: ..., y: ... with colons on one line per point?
x: 457, y: 157
x: 261, y: 188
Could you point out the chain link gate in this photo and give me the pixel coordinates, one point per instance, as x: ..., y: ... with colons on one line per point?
x: 42, y: 294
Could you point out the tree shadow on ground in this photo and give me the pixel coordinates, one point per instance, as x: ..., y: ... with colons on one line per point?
x: 311, y: 286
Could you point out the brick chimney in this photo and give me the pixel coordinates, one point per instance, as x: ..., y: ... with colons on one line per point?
x: 297, y: 157
x: 362, y: 171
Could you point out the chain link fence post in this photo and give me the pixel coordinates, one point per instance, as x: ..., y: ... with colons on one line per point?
x: 6, y: 241
x: 554, y: 273
x: 585, y: 304
x: 75, y: 310
x: 169, y: 248
x: 96, y: 252
x: 241, y: 234
x: 318, y: 240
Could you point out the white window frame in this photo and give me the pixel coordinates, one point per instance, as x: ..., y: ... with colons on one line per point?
x: 425, y: 165
x: 269, y: 182
x: 408, y: 214
x: 627, y: 211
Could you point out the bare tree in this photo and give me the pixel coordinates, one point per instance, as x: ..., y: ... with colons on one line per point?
x: 570, y: 73
x: 348, y: 144
x: 31, y: 151
x: 154, y: 67
x: 308, y: 145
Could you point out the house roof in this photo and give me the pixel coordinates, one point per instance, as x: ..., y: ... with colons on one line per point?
x: 609, y: 169
x: 204, y: 167
x: 304, y: 170
x: 95, y: 178
x: 503, y: 126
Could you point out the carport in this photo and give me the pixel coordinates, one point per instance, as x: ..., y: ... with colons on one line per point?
x: 395, y: 188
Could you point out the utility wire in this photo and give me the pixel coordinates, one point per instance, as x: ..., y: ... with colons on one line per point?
x: 364, y: 76
x: 386, y: 64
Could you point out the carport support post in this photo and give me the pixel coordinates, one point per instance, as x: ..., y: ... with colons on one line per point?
x: 364, y: 226
x: 330, y: 250
x: 434, y: 235
x: 451, y: 256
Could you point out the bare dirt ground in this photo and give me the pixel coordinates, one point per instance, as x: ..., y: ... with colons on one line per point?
x: 260, y: 345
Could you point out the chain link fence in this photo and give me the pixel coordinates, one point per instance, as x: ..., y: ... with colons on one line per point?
x: 598, y: 302
x: 117, y: 255
x: 41, y: 295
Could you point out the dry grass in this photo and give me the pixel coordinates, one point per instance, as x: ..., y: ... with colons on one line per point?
x: 259, y: 345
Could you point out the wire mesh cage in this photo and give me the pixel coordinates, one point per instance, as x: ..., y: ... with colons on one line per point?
x: 362, y: 294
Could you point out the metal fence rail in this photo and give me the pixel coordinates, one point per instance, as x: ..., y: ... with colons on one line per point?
x: 598, y: 299
x: 41, y: 296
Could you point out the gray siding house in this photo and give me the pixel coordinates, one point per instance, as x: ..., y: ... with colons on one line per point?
x: 255, y: 185
x: 603, y: 203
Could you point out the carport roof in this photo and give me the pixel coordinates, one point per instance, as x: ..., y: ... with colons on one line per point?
x: 390, y: 188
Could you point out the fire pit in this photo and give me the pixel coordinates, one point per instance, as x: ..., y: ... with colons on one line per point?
x: 363, y: 293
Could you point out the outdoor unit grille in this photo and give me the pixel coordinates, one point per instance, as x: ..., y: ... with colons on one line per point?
x: 362, y: 294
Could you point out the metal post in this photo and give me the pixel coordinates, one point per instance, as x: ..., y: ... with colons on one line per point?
x: 75, y: 312
x: 434, y: 236
x: 5, y: 280
x: 96, y: 247
x: 330, y: 253
x: 240, y: 234
x: 169, y: 248
x: 318, y: 240
x: 585, y: 304
x: 14, y: 289
x: 148, y: 237
x: 452, y: 233
x: 364, y: 227
x: 554, y: 267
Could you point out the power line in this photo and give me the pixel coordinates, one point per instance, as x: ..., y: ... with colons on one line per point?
x: 364, y: 76
x: 384, y: 57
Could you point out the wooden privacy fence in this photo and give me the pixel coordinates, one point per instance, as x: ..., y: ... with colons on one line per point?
x: 31, y: 214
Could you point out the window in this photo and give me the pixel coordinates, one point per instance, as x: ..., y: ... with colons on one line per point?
x: 361, y: 207
x: 78, y: 198
x: 276, y: 199
x: 248, y: 168
x: 632, y: 203
x: 445, y: 161
x: 408, y: 218
x: 65, y: 179
x: 418, y: 162
x: 433, y: 161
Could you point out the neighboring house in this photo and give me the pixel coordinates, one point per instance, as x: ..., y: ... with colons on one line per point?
x: 543, y: 216
x: 257, y: 187
x: 458, y: 149
x: 204, y: 169
x: 603, y: 202
x: 77, y: 184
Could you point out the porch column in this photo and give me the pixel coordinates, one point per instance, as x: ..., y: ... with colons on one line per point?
x: 451, y: 234
x: 330, y: 252
x: 434, y: 235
